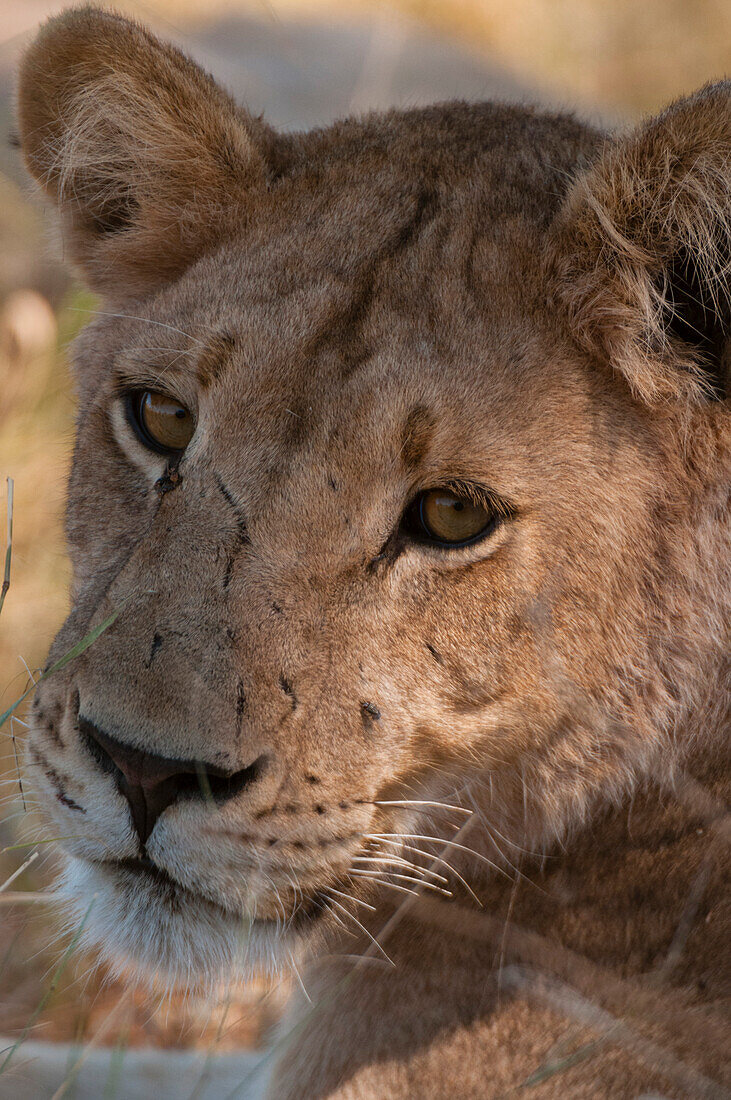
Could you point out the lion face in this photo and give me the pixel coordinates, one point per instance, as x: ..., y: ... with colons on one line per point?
x: 378, y: 530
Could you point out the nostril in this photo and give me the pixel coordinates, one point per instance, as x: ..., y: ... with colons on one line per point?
x: 223, y: 787
x: 93, y: 742
x: 151, y: 783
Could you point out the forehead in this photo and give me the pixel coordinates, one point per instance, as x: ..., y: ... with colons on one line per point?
x: 388, y: 282
x: 277, y: 344
x: 425, y: 219
x: 311, y: 297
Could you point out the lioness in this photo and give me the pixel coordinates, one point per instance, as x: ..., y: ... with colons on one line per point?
x: 403, y: 456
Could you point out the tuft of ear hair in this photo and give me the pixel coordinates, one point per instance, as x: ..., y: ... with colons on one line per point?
x: 641, y: 252
x: 148, y: 161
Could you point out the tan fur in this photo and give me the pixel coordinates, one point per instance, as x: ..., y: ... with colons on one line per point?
x: 466, y: 293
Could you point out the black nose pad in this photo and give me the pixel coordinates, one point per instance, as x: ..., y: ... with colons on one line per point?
x: 152, y: 783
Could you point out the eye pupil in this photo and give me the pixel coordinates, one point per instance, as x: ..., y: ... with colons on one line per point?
x: 163, y: 424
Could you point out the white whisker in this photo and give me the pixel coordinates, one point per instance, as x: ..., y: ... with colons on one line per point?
x: 362, y: 927
x: 395, y: 886
x: 298, y: 976
x: 340, y: 921
x: 356, y: 958
x: 358, y: 901
x: 395, y: 861
x: 436, y: 859
x: 439, y: 840
x: 378, y: 876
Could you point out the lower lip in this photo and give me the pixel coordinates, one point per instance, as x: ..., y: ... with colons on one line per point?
x: 308, y: 912
x: 148, y: 869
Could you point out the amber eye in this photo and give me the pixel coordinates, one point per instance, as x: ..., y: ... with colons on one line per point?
x: 162, y: 423
x: 451, y: 519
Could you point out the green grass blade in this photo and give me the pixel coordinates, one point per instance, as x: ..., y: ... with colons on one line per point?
x: 75, y: 651
x: 9, y: 549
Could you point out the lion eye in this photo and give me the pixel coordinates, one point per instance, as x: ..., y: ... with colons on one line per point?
x: 451, y: 519
x: 161, y: 423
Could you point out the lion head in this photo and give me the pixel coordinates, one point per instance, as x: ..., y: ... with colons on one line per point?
x: 403, y: 463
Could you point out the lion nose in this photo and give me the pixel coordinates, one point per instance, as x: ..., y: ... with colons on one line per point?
x: 152, y: 783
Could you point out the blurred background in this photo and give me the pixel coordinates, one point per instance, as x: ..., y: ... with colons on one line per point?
x: 301, y: 62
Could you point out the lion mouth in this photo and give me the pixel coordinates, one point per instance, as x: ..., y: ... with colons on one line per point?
x: 148, y: 869
x: 167, y: 888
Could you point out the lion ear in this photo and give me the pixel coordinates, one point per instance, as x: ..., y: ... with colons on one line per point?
x: 641, y: 251
x: 148, y: 161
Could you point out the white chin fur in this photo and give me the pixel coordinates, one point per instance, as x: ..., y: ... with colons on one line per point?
x: 160, y: 936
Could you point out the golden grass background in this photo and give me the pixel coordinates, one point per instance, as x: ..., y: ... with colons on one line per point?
x: 622, y: 58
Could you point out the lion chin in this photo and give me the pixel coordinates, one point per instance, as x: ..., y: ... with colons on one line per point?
x: 153, y: 932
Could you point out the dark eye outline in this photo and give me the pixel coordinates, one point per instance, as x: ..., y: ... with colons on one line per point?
x: 416, y: 528
x: 133, y: 410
